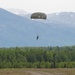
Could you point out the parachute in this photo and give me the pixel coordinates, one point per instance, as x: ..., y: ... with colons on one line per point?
x: 38, y: 15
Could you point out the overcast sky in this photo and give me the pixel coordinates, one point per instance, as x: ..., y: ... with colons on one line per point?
x: 46, y: 6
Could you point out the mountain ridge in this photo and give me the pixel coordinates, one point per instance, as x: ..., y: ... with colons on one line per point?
x: 52, y: 16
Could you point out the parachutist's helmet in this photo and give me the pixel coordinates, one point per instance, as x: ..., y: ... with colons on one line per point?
x: 38, y: 15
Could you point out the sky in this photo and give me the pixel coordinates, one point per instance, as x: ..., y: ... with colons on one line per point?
x: 46, y: 6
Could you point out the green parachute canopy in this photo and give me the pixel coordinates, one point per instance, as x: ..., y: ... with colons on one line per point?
x: 38, y: 15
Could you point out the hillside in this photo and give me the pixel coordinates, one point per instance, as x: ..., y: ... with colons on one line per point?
x: 16, y: 30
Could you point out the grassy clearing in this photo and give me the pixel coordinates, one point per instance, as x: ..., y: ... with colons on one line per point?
x: 59, y: 71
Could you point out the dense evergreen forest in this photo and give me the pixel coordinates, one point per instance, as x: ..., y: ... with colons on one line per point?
x: 37, y: 57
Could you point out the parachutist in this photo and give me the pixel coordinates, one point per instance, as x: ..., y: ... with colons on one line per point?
x: 37, y: 37
x: 38, y: 15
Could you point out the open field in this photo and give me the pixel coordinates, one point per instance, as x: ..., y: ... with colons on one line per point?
x: 59, y: 71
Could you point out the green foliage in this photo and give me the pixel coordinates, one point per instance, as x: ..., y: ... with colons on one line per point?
x: 38, y: 57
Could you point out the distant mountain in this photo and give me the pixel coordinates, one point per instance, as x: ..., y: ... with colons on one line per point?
x: 63, y: 17
x: 19, y: 12
x: 17, y: 30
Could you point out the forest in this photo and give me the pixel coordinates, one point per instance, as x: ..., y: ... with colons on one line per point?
x: 37, y: 57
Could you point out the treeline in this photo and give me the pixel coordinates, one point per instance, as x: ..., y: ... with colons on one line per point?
x: 38, y: 57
